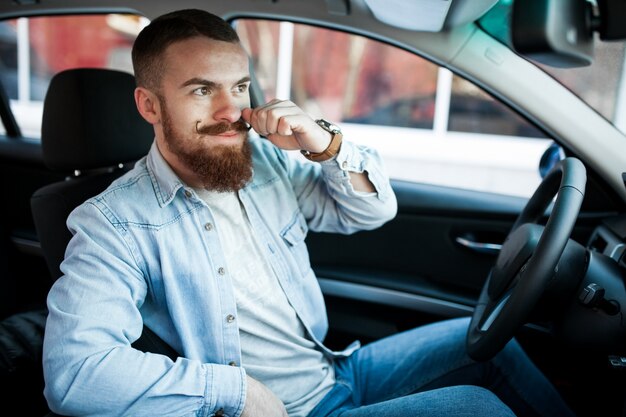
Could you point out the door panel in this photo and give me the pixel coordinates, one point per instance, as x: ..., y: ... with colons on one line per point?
x: 25, y: 277
x: 412, y: 269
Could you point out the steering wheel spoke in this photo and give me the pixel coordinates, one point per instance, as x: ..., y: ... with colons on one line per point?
x: 494, y: 312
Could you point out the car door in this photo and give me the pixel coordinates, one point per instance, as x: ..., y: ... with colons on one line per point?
x: 462, y: 166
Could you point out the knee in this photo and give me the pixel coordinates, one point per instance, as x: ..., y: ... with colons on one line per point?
x: 512, y: 357
x: 470, y: 400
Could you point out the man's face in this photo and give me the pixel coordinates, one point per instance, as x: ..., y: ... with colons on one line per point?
x: 203, y: 89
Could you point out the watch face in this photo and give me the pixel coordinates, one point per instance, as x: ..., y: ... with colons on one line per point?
x: 326, y: 125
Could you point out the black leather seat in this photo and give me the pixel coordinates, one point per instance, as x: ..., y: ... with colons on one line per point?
x: 91, y: 131
x: 21, y: 339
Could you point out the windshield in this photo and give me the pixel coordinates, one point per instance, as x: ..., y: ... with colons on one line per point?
x: 602, y: 84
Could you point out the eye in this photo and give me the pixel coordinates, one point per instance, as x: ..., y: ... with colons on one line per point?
x: 202, y: 91
x: 242, y: 88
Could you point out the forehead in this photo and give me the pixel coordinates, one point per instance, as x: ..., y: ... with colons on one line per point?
x: 205, y: 58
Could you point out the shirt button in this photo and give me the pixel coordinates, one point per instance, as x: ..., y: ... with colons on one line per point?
x: 221, y: 271
x: 232, y: 363
x: 219, y: 413
x: 344, y: 164
x: 230, y: 318
x: 208, y: 226
x: 187, y: 193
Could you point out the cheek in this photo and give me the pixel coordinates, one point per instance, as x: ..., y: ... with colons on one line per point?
x: 244, y: 102
x: 186, y: 116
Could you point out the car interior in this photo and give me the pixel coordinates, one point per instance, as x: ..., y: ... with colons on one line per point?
x: 546, y: 268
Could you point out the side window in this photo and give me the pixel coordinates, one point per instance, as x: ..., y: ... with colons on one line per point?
x: 32, y: 50
x: 429, y: 125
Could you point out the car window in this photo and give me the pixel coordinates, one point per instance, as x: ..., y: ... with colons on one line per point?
x: 474, y: 111
x: 32, y: 50
x: 429, y: 125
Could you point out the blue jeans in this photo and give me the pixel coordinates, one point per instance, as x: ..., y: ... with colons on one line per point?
x: 427, y: 372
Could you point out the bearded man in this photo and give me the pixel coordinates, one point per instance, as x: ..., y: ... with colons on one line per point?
x: 203, y: 242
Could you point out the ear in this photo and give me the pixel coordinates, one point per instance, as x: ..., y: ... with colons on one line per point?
x: 148, y: 105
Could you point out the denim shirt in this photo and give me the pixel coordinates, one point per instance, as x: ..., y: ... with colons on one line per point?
x: 147, y: 251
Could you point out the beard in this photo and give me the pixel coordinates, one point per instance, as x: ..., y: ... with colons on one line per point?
x: 220, y: 168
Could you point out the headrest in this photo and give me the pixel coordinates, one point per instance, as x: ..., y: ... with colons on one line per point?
x: 90, y: 121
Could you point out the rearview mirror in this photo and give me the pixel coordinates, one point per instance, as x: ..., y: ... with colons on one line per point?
x: 553, y: 32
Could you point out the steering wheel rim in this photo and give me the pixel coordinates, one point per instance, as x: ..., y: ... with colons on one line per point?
x: 527, y: 260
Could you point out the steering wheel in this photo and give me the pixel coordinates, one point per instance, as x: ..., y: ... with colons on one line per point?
x: 527, y: 260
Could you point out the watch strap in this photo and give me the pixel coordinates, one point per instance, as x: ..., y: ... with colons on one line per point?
x: 333, y: 146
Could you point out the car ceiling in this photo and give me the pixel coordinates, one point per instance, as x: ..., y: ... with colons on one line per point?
x: 415, y: 15
x: 428, y: 15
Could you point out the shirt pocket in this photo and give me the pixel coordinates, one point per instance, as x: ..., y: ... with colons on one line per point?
x: 294, y: 235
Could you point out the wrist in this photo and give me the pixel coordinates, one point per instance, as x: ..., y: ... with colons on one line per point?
x: 333, y: 147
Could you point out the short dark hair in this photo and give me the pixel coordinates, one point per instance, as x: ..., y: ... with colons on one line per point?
x: 167, y: 29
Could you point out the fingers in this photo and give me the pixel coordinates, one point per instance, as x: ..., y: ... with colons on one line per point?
x: 275, y: 117
x: 287, y: 126
x: 261, y: 401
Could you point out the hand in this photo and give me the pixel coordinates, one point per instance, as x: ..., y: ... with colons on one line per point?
x: 261, y: 402
x: 287, y: 126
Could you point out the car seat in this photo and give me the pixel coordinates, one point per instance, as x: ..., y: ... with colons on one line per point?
x: 92, y: 131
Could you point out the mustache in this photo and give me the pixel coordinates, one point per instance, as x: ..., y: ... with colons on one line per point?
x: 219, y: 128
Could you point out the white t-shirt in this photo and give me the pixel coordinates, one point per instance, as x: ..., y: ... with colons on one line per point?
x: 275, y: 348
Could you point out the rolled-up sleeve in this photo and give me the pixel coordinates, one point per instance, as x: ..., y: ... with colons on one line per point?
x: 329, y: 201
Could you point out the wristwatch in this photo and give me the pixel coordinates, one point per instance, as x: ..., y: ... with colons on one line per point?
x: 333, y: 147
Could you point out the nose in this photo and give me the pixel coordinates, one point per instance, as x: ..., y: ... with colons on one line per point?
x: 227, y: 108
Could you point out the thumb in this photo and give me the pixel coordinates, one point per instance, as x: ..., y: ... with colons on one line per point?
x: 245, y: 114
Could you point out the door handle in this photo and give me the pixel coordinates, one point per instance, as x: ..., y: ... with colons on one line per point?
x: 480, y: 247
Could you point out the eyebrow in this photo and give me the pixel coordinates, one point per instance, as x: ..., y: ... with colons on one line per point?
x: 211, y: 84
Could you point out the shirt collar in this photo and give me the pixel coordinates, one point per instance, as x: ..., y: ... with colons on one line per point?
x: 164, y: 180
